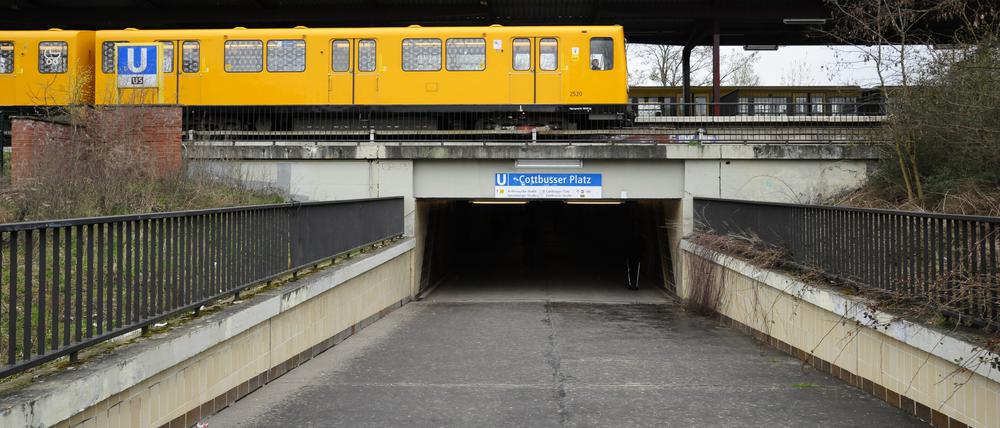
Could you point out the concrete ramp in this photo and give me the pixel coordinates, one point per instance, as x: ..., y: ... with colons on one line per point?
x: 441, y: 363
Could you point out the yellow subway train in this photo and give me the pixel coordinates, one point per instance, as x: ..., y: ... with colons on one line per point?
x: 46, y: 68
x: 532, y: 75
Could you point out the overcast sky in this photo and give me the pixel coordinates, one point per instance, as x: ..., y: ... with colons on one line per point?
x: 807, y: 65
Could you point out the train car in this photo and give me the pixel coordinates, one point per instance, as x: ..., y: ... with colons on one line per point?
x: 46, y: 68
x: 259, y: 78
x: 41, y: 69
x: 751, y: 100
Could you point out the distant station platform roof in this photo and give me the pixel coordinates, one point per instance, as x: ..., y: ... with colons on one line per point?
x: 741, y: 22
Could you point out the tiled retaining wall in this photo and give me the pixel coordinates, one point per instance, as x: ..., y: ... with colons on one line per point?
x: 907, y: 365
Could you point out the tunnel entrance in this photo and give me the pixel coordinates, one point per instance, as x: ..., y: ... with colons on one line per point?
x: 571, y: 250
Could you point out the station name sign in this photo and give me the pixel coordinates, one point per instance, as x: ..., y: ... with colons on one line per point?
x: 138, y: 65
x: 518, y: 185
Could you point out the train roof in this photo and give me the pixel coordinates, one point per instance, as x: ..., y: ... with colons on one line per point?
x: 562, y: 29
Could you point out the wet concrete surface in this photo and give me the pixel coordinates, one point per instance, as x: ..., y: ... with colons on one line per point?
x: 588, y: 355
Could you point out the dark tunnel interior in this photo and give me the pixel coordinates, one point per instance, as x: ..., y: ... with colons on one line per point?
x: 545, y: 244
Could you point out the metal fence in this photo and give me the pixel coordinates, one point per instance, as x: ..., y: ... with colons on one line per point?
x: 67, y: 285
x: 634, y: 122
x: 951, y: 261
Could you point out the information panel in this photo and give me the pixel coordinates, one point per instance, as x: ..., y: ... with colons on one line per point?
x: 521, y: 185
x: 137, y: 65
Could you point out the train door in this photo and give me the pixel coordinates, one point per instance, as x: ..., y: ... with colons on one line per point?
x: 190, y: 73
x: 548, y: 78
x: 340, y: 86
x: 522, y: 72
x: 170, y: 72
x: 7, y: 72
x: 367, y: 75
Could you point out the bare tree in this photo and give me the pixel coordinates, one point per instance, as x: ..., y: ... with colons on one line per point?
x: 882, y: 32
x: 664, y: 66
x: 798, y: 74
x: 637, y: 73
x: 740, y: 69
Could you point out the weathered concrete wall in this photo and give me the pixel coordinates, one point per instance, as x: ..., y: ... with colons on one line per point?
x: 304, y: 180
x: 908, y: 365
x: 181, y: 376
x: 305, y: 150
x: 673, y: 172
x: 769, y: 180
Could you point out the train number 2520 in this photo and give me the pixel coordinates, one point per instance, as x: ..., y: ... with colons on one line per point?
x: 576, y: 93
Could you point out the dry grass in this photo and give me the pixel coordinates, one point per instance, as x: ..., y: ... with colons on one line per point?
x: 105, y: 170
x: 744, y: 246
x: 707, y: 283
x: 707, y: 280
x: 964, y: 197
x: 952, y: 292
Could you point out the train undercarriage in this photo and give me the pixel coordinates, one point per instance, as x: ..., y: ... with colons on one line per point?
x: 313, y: 119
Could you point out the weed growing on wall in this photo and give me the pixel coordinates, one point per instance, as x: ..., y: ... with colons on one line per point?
x: 948, y: 296
x: 99, y: 165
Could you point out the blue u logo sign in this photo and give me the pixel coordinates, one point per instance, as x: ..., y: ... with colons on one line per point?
x: 501, y: 179
x: 134, y: 60
x: 143, y: 61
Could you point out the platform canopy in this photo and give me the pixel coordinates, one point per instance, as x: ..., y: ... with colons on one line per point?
x: 680, y: 22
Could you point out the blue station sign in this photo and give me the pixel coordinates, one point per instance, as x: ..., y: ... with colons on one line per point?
x: 529, y: 185
x: 137, y: 65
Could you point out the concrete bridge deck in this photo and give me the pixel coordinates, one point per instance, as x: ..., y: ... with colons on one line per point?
x: 578, y: 352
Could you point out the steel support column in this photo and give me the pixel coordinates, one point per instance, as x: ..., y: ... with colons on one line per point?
x: 686, y: 72
x: 716, y: 72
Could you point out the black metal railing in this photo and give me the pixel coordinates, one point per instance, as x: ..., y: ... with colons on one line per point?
x: 633, y: 122
x: 949, y: 261
x: 70, y: 284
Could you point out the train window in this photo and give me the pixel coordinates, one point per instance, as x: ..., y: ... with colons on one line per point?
x: 801, y: 102
x: 6, y: 57
x: 108, y: 56
x: 817, y: 104
x: 838, y: 105
x: 649, y: 106
x: 701, y: 106
x: 770, y: 105
x: 168, y: 57
x: 466, y: 54
x: 744, y: 106
x: 548, y: 54
x: 53, y: 57
x: 522, y: 54
x: 191, y: 57
x: 602, y: 53
x: 341, y: 56
x: 421, y: 54
x: 286, y: 55
x: 366, y: 55
x: 244, y: 56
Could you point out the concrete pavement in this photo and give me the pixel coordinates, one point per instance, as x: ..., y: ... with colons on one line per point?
x: 473, y: 355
